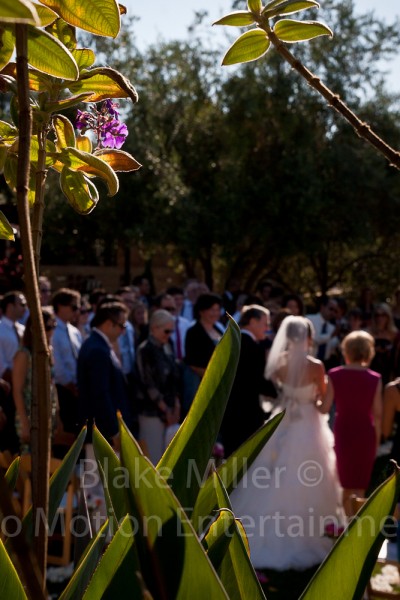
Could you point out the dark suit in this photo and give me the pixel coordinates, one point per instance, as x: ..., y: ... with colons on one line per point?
x: 244, y: 415
x: 102, y: 387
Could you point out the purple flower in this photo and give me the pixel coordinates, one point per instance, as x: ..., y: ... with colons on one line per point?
x: 110, y: 107
x: 113, y: 134
x: 83, y: 119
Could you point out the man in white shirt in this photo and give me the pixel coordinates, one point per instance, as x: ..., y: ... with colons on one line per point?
x: 13, y: 306
x: 67, y: 341
x: 325, y: 336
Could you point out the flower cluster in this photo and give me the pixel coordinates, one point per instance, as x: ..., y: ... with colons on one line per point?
x: 104, y: 121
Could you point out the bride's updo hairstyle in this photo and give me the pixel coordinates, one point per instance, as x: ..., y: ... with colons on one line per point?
x: 289, y: 349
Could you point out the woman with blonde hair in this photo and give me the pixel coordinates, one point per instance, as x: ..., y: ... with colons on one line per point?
x: 356, y: 391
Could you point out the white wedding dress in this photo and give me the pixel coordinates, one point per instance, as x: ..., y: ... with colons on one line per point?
x: 291, y: 492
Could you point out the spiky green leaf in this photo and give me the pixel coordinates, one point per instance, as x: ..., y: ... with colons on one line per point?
x: 240, y: 18
x: 10, y: 583
x: 48, y: 55
x: 81, y: 193
x: 249, y: 46
x: 100, y: 18
x: 6, y: 231
x: 187, y: 457
x: 290, y: 31
x: 91, y: 165
x: 103, y: 83
x: 18, y: 11
x: 356, y: 551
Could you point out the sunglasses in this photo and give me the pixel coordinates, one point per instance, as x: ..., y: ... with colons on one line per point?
x: 168, y: 331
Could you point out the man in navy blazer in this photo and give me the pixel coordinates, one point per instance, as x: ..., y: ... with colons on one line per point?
x: 244, y: 414
x: 102, y: 385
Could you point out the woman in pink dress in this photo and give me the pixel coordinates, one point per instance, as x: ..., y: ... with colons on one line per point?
x: 357, y: 393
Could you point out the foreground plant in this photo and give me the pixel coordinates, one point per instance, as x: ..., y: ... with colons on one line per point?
x: 269, y: 30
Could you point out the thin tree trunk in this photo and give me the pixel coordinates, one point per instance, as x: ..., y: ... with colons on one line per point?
x: 40, y: 409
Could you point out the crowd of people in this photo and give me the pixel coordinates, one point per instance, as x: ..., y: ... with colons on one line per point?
x: 335, y: 371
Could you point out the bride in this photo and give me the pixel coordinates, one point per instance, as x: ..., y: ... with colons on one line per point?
x: 290, y: 497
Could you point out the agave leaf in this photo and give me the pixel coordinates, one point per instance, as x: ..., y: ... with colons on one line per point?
x: 118, y: 159
x: 291, y: 31
x: 114, y: 475
x: 48, y: 55
x: 98, y: 18
x: 240, y: 18
x: 11, y: 475
x: 110, y: 563
x: 64, y: 33
x: 81, y: 193
x: 10, y: 583
x: 198, y: 433
x: 84, y: 58
x: 6, y: 231
x: 46, y: 16
x: 58, y: 483
x: 86, y: 566
x: 84, y: 143
x: 356, y: 551
x: 7, y: 45
x: 249, y: 46
x: 167, y: 544
x: 254, y: 5
x: 232, y: 471
x: 77, y: 160
x: 228, y: 554
x: 104, y: 83
x: 287, y: 7
x: 18, y: 11
x: 65, y: 134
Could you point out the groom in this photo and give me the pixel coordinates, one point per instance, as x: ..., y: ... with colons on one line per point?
x: 244, y: 415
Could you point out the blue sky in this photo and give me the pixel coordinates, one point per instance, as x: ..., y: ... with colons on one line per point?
x: 160, y: 19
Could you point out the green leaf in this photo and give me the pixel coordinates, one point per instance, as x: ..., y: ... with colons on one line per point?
x: 110, y: 562
x: 174, y: 564
x: 38, y: 82
x: 11, y: 475
x: 115, y: 479
x: 65, y: 133
x: 7, y: 45
x: 58, y: 483
x: 46, y: 16
x: 239, y: 18
x: 51, y: 107
x: 77, y: 160
x: 64, y: 33
x: 48, y: 55
x: 98, y: 18
x: 84, y: 143
x: 291, y: 31
x: 254, y: 5
x: 18, y: 11
x: 6, y: 233
x: 86, y: 566
x: 104, y: 83
x: 232, y: 471
x: 118, y: 160
x: 34, y: 156
x: 354, y: 555
x: 84, y: 57
x: 249, y: 46
x: 81, y: 193
x: 10, y: 583
x: 186, y: 459
x: 228, y: 554
x: 8, y: 133
x: 287, y: 7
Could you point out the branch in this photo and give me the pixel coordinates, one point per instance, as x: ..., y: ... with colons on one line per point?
x: 362, y: 129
